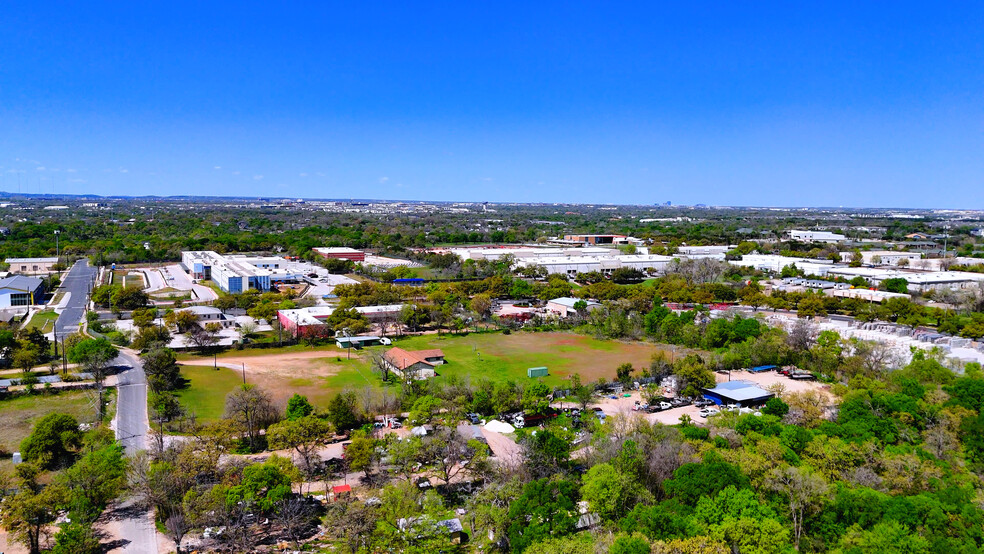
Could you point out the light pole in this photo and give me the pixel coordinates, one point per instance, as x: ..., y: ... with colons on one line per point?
x: 57, y: 252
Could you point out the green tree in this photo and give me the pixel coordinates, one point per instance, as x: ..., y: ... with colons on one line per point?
x: 53, y: 441
x: 810, y: 306
x: 362, y: 453
x: 623, y: 373
x: 692, y: 481
x: 95, y: 355
x: 692, y: 375
x: 608, y: 491
x: 886, y: 537
x: 535, y: 398
x: 303, y: 435
x: 161, y: 367
x: 776, y: 407
x: 27, y: 514
x: 582, y: 393
x: 298, y: 406
x: 264, y: 484
x: 630, y: 545
x: 805, y: 491
x: 341, y: 411
x: 547, y: 508
x: 94, y: 481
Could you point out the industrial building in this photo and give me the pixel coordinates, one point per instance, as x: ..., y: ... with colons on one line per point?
x: 775, y: 263
x: 919, y: 281
x: 815, y: 236
x: 18, y: 290
x: 884, y: 257
x: 564, y: 306
x: 300, y: 319
x: 570, y: 266
x: 31, y: 266
x: 342, y: 253
x: 742, y: 393
x: 868, y: 295
x: 597, y: 239
x: 238, y: 273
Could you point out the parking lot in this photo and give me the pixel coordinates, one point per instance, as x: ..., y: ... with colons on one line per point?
x: 623, y: 403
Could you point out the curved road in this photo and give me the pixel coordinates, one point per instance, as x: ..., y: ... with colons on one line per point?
x: 131, y: 431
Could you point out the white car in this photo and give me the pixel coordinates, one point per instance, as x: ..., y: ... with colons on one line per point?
x: 385, y: 341
x: 665, y: 405
x: 708, y: 412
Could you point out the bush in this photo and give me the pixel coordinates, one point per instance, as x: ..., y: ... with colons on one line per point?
x: 693, y: 432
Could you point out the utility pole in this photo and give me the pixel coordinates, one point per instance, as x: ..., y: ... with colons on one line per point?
x: 244, y: 373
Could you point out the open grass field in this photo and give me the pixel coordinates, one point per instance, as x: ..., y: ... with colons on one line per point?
x: 43, y: 320
x: 17, y: 415
x: 500, y: 357
x: 320, y: 373
x: 206, y: 391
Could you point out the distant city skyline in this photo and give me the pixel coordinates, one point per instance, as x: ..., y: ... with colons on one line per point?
x: 839, y: 105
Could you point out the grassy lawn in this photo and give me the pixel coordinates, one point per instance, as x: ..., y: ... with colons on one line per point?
x: 43, y: 320
x: 206, y: 391
x: 211, y: 284
x: 17, y: 415
x: 501, y: 357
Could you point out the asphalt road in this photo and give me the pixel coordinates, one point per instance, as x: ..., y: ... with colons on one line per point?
x: 131, y: 431
x: 76, y: 282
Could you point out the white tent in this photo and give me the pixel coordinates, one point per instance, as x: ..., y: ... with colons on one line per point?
x: 497, y: 426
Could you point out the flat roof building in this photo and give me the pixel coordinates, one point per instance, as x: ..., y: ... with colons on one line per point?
x: 597, y: 239
x: 815, y: 236
x: 31, y: 266
x: 742, y: 393
x: 238, y: 272
x: 342, y: 253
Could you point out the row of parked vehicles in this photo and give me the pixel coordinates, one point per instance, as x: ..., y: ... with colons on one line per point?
x: 713, y: 410
x: 664, y: 403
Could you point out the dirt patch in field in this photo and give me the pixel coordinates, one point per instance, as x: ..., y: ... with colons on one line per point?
x: 285, y: 374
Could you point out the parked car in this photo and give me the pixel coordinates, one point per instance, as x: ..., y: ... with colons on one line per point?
x: 385, y: 341
x: 702, y: 403
x: 665, y: 405
x: 708, y: 412
x: 474, y: 418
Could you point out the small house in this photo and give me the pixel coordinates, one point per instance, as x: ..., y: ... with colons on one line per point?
x: 413, y: 364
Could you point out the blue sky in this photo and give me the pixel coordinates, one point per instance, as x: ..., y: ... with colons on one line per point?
x: 731, y: 103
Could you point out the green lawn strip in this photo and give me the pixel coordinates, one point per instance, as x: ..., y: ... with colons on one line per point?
x: 211, y: 284
x: 43, y: 320
x: 17, y: 415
